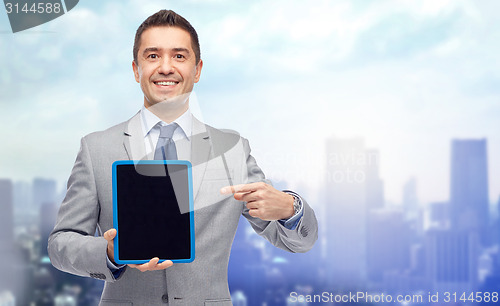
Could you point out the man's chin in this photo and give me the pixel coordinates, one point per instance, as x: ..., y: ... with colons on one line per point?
x: 178, y: 101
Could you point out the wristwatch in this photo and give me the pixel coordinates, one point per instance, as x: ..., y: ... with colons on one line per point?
x: 296, y: 204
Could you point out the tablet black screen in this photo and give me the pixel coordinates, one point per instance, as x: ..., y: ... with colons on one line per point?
x: 150, y: 222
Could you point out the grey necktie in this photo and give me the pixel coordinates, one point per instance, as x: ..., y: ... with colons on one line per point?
x: 165, y: 148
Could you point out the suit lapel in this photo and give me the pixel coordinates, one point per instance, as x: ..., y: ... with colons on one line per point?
x: 134, y: 139
x: 200, y: 153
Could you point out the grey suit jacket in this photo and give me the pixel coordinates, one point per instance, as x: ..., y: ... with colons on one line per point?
x: 73, y: 248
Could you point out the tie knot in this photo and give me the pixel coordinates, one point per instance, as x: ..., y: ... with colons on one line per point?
x: 168, y: 130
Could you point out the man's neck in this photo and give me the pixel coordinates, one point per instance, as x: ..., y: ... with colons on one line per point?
x: 168, y: 111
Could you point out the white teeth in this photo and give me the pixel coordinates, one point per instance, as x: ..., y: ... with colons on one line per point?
x: 165, y: 83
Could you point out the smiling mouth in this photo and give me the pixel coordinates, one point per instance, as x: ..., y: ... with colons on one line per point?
x: 166, y: 83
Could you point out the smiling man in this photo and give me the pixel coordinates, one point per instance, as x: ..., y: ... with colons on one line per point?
x: 167, y: 64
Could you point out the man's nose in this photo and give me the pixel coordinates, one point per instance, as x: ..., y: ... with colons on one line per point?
x: 166, y: 66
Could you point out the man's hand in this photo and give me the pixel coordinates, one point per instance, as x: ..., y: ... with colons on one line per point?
x: 153, y: 265
x: 149, y: 266
x: 109, y: 235
x: 263, y: 200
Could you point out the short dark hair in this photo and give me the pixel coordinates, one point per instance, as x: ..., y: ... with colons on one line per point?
x: 167, y: 18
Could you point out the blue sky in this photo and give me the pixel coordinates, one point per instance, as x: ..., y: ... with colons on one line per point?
x: 407, y: 76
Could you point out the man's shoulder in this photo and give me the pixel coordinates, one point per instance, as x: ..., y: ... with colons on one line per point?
x: 109, y: 135
x: 116, y: 130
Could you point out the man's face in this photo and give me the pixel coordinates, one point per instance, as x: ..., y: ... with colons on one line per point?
x: 166, y: 64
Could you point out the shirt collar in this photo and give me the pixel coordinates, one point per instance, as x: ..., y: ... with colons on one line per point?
x: 150, y: 120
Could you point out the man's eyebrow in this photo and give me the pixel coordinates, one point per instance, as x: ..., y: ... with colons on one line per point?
x: 150, y: 49
x: 180, y: 50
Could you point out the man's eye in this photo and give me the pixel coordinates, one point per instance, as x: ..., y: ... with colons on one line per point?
x: 179, y: 56
x: 153, y: 56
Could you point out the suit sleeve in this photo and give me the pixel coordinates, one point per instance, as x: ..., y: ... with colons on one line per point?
x: 299, y: 240
x: 72, y: 246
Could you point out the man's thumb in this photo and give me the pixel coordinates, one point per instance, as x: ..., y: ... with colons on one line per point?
x: 110, y: 234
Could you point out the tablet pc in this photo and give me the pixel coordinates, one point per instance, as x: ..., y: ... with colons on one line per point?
x: 153, y: 211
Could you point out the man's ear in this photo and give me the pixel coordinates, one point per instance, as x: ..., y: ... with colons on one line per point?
x: 198, y: 71
x: 136, y: 71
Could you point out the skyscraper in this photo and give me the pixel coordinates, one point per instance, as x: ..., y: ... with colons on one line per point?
x: 498, y: 223
x: 439, y: 215
x: 495, y: 227
x: 22, y: 198
x: 6, y: 234
x: 6, y: 216
x: 346, y: 208
x: 44, y: 191
x: 374, y: 187
x: 452, y: 259
x: 469, y: 187
x: 388, y: 243
x: 410, y: 200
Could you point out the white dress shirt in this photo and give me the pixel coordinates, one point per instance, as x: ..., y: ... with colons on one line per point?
x: 151, y: 128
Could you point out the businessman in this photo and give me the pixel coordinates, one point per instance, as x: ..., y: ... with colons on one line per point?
x: 167, y: 64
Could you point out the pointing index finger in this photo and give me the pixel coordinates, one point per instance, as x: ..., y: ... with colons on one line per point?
x: 239, y: 188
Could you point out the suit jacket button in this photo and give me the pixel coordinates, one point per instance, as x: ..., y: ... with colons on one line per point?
x: 164, y: 298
